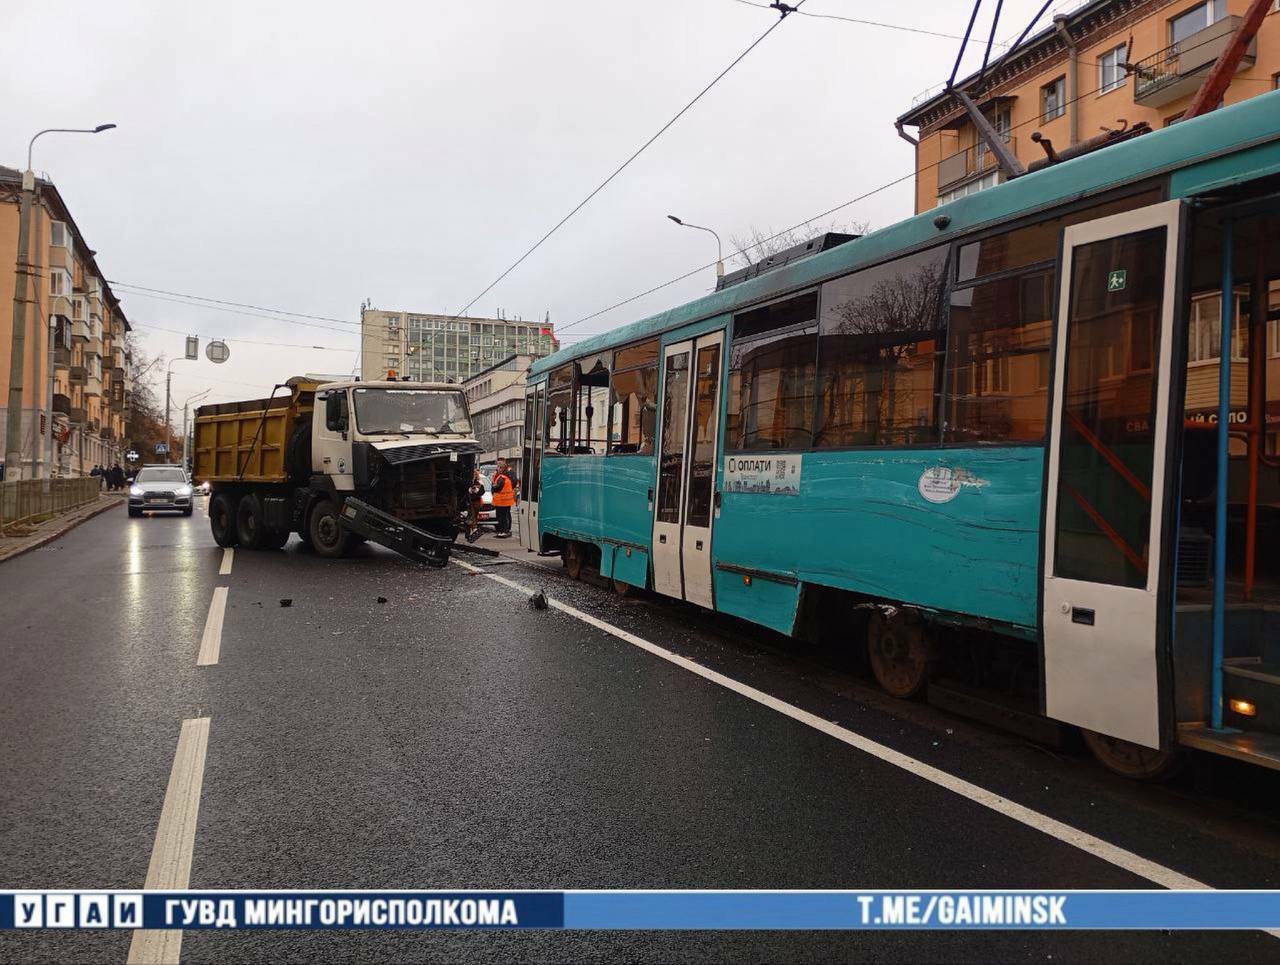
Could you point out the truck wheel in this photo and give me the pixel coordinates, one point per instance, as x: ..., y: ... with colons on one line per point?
x: 249, y: 526
x: 222, y: 519
x: 327, y: 535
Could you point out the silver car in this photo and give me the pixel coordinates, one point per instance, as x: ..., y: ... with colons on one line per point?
x: 160, y: 487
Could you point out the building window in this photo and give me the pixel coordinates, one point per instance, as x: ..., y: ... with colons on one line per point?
x: 633, y: 396
x: 986, y: 181
x: 772, y: 376
x: 879, y: 350
x: 1196, y: 19
x: 1111, y: 72
x: 1053, y: 100
x: 59, y: 283
x: 559, y: 399
x: 1204, y: 342
x: 59, y: 235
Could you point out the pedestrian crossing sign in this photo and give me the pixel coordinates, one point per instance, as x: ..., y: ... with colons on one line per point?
x: 1116, y: 280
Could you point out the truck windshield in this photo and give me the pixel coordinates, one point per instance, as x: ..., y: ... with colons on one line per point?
x: 411, y: 411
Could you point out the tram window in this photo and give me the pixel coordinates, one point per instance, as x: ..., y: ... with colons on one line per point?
x: 1036, y: 243
x: 559, y: 402
x: 772, y: 376
x: 646, y: 353
x: 996, y: 389
x: 633, y: 399
x: 879, y: 353
x: 590, y: 428
x: 702, y: 466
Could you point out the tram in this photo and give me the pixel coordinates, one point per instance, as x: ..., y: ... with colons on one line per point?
x: 996, y: 442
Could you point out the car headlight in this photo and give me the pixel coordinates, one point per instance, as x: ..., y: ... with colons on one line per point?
x: 184, y: 491
x: 486, y: 499
x: 135, y: 490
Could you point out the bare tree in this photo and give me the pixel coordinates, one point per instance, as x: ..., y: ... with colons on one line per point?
x: 758, y: 243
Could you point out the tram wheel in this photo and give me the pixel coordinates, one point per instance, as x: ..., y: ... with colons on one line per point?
x: 900, y: 652
x: 622, y: 588
x: 1132, y: 760
x: 572, y: 556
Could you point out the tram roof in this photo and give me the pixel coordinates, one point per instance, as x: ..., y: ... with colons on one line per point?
x: 1196, y: 152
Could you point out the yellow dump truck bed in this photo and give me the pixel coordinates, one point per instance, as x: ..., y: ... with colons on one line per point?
x: 246, y: 441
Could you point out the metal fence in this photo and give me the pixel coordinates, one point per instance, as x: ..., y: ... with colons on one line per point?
x: 29, y: 501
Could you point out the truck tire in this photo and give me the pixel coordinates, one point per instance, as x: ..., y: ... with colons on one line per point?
x: 222, y: 519
x: 328, y: 538
x: 250, y: 528
x: 297, y: 453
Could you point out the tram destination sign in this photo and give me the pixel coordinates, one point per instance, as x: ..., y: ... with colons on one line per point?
x: 772, y: 475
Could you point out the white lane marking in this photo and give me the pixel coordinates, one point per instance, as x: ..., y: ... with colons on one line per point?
x: 211, y: 640
x: 1112, y: 854
x: 170, y: 868
x: 228, y: 557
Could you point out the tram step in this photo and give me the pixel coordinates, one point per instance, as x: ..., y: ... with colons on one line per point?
x: 1256, y: 682
x: 1251, y: 746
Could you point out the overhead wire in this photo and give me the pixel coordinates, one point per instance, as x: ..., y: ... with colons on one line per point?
x: 862, y: 22
x: 1037, y: 120
x: 783, y: 10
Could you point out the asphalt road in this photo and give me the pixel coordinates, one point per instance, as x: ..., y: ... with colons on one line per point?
x: 452, y: 737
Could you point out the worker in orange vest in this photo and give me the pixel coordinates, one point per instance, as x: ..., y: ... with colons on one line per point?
x: 504, y: 497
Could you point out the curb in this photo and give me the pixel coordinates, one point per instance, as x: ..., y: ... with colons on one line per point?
x: 50, y: 537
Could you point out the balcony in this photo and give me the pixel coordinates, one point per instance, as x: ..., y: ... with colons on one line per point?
x: 80, y: 329
x: 62, y: 403
x: 93, y: 384
x: 78, y: 416
x: 117, y: 396
x: 61, y: 257
x: 61, y: 357
x: 77, y: 375
x: 106, y: 432
x: 1179, y: 70
x: 93, y: 347
x: 117, y: 358
x: 971, y: 163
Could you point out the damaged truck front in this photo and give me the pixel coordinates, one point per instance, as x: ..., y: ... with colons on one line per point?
x: 338, y: 463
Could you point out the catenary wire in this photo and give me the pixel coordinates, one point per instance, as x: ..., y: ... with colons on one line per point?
x: 640, y: 150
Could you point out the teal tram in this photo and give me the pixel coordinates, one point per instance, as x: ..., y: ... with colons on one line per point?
x: 997, y: 443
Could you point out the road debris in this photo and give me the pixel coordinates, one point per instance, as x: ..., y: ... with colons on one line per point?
x: 287, y: 601
x: 538, y: 601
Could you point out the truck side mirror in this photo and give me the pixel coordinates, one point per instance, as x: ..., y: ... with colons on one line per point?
x: 335, y: 416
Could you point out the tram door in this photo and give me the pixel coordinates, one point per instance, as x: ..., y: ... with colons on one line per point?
x: 531, y: 467
x: 687, y: 459
x: 1106, y: 486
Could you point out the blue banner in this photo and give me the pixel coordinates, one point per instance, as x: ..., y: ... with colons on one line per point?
x: 735, y: 910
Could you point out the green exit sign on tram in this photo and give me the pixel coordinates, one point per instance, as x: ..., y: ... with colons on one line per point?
x: 1116, y: 281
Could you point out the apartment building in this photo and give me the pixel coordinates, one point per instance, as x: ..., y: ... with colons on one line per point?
x: 444, y: 348
x: 495, y: 397
x: 1103, y: 65
x: 86, y: 414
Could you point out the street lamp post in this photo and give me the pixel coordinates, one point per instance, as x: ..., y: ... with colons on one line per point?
x: 186, y: 456
x: 22, y: 271
x: 719, y: 246
x: 168, y: 386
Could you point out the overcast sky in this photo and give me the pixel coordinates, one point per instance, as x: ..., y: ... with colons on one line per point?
x: 307, y: 156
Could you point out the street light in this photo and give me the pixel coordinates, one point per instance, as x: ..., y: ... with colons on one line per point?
x: 719, y: 246
x: 17, y: 354
x: 186, y: 456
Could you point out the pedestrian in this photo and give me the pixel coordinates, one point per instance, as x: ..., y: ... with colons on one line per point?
x: 117, y: 476
x: 475, y: 502
x: 504, y: 497
x: 97, y: 472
